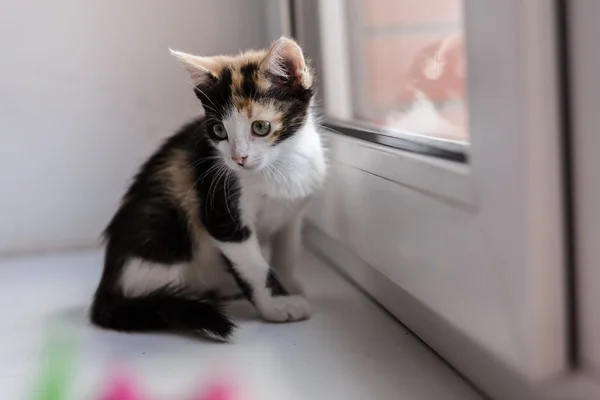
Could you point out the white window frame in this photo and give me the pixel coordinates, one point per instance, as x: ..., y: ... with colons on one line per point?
x: 585, y: 119
x: 511, y: 189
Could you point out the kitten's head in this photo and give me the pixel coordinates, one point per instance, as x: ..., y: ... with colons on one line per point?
x: 254, y: 102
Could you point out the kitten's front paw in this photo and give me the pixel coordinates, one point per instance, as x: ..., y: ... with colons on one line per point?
x: 285, y: 309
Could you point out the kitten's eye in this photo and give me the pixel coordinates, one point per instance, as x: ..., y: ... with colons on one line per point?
x: 219, y: 131
x: 261, y: 128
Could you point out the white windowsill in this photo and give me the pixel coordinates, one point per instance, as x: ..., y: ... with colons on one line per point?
x: 350, y: 349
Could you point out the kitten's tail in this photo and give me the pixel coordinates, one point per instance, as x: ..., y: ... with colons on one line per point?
x: 167, y: 308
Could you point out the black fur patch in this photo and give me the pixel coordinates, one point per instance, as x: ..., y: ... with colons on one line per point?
x: 275, y: 286
x: 217, y: 189
x: 294, y: 117
x: 216, y: 96
x: 244, y: 286
x: 248, y: 85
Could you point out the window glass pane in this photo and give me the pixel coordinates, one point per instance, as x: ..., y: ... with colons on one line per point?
x: 409, y: 66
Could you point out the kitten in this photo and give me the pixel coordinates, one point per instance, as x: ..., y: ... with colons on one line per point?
x: 217, y: 209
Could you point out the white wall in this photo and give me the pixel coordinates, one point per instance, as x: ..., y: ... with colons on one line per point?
x: 87, y: 91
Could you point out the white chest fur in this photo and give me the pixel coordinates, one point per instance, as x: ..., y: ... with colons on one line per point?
x: 267, y: 213
x: 274, y: 213
x: 278, y: 194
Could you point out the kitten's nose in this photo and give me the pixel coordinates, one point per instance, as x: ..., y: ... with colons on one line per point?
x: 240, y: 160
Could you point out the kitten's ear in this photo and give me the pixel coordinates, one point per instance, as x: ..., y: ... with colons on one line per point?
x: 201, y: 69
x: 286, y: 63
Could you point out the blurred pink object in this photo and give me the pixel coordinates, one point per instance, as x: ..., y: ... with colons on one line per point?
x: 122, y: 387
x: 218, y: 391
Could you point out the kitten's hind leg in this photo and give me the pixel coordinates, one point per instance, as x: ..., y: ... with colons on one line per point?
x: 150, y: 296
x: 260, y: 284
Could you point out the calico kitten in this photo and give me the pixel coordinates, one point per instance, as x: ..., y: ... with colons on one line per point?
x: 217, y: 209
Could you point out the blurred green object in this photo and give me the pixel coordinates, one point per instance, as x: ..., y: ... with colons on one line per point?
x: 57, y: 366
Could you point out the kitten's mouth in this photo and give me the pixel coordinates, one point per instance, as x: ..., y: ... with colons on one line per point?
x: 246, y: 168
x: 251, y: 168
